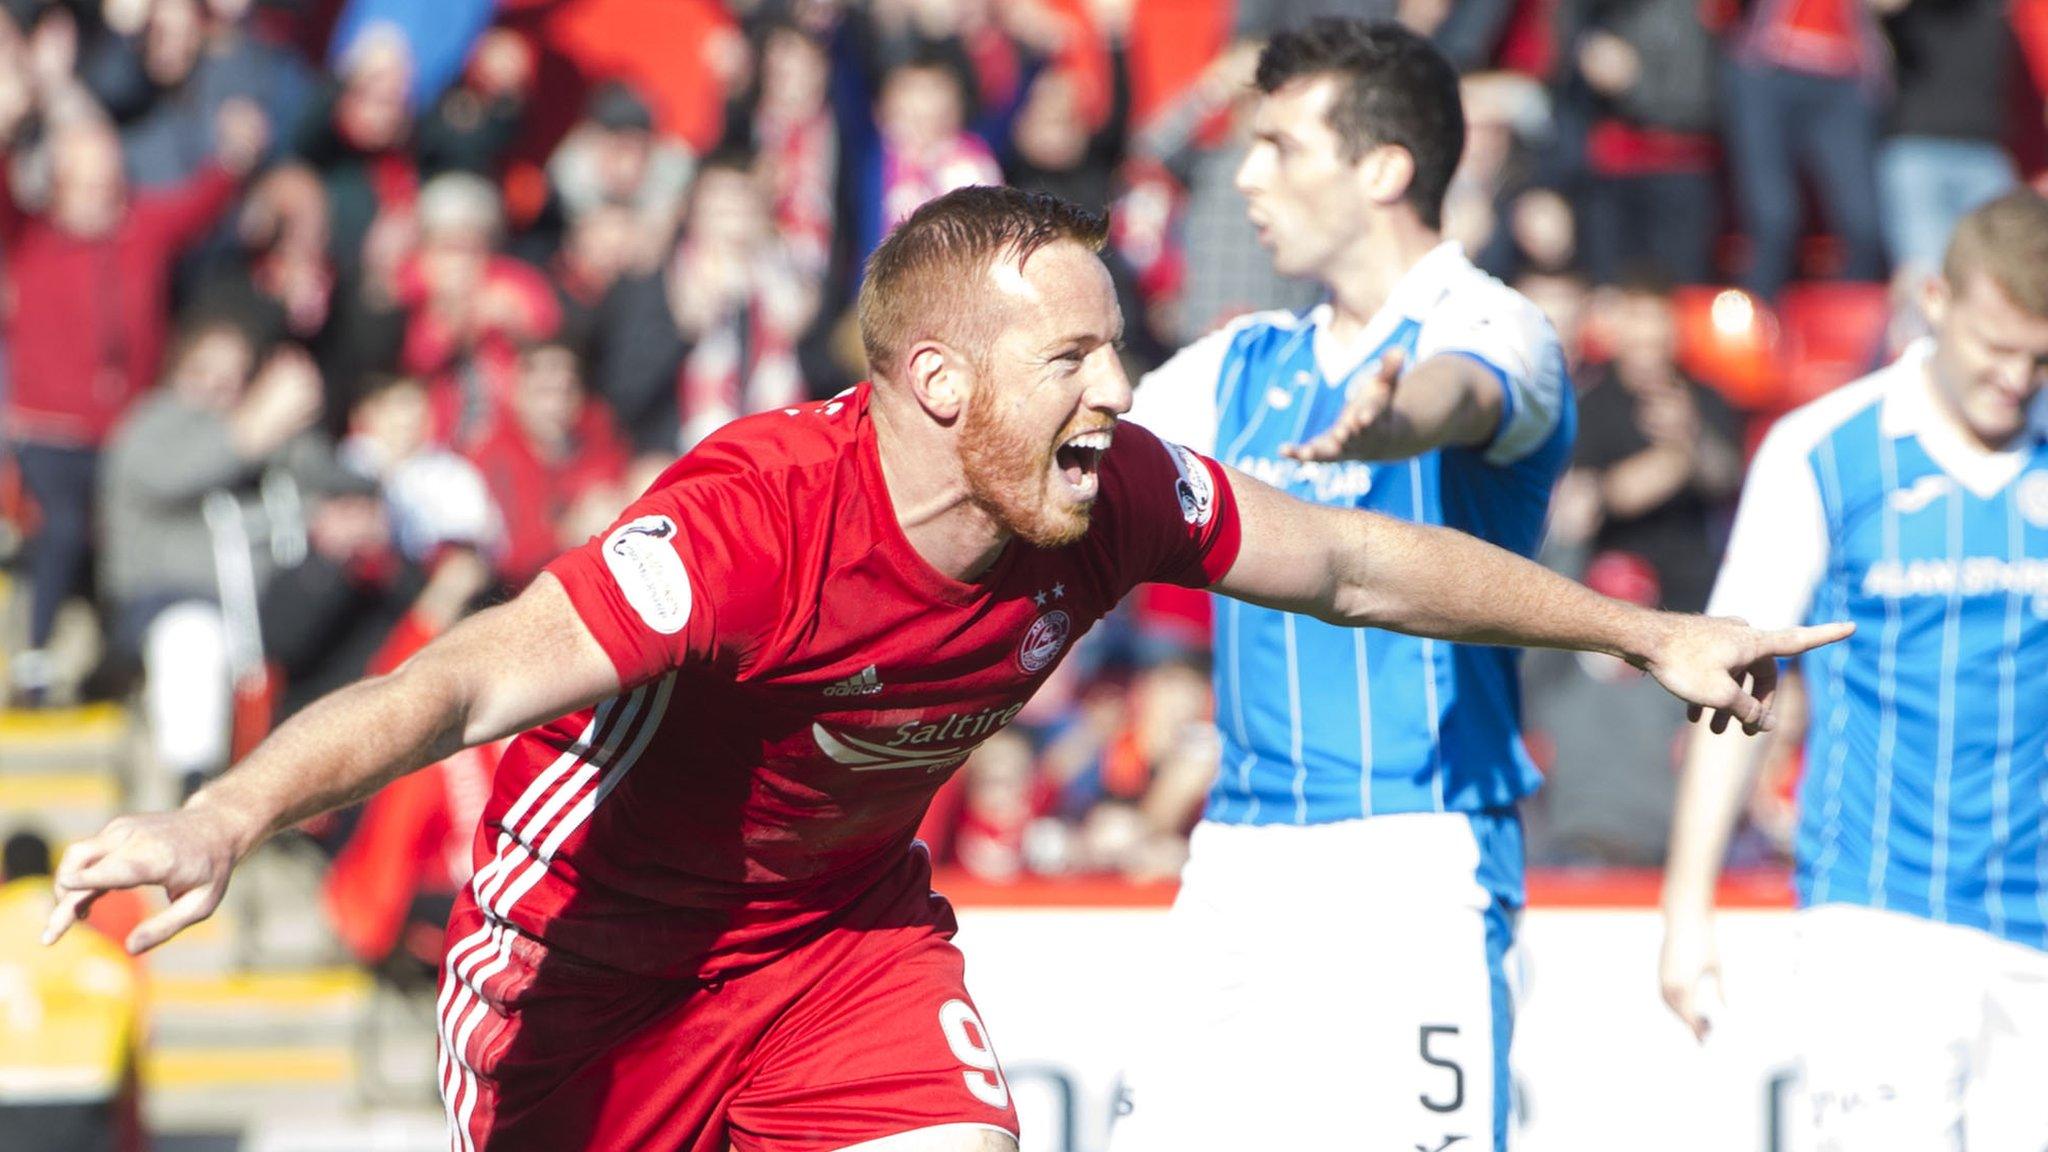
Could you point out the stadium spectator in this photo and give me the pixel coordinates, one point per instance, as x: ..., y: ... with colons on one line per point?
x: 388, y: 552
x: 1565, y: 298
x: 926, y: 148
x: 1944, y: 149
x: 85, y: 326
x: 469, y: 308
x: 1137, y: 802
x: 786, y: 122
x: 1495, y: 206
x: 166, y: 88
x: 1051, y: 148
x: 614, y: 158
x: 1648, y: 73
x: 552, y: 461
x: 1609, y: 744
x: 1801, y: 96
x: 1227, y: 272
x: 71, y: 1037
x: 361, y: 137
x: 1001, y: 796
x: 208, y: 483
x: 435, y: 498
x: 599, y: 248
x: 1663, y: 453
x: 712, y: 334
x: 281, y: 283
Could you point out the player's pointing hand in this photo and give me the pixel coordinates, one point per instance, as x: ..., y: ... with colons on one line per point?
x: 1728, y: 669
x: 1369, y: 398
x: 188, y: 853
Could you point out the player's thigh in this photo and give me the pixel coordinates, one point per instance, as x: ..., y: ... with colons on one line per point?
x: 1885, y: 1025
x: 1198, y: 1019
x: 1381, y: 1026
x: 540, y: 1051
x: 884, y: 1042
x: 1430, y: 1014
x: 2005, y: 1107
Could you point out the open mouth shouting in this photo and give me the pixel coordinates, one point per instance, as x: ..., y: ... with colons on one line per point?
x: 1079, y: 460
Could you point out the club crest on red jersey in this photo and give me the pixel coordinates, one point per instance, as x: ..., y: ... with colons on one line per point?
x: 1044, y: 640
x: 642, y: 556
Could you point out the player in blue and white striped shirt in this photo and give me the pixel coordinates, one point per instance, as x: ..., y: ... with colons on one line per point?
x: 1914, y: 503
x: 1336, y: 970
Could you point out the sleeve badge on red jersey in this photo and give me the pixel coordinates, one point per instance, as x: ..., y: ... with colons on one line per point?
x: 642, y: 556
x: 1197, y: 491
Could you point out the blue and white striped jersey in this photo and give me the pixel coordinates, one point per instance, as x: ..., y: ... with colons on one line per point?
x: 1321, y: 723
x: 1925, y: 790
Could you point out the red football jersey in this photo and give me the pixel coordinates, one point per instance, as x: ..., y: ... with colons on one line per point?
x: 800, y: 681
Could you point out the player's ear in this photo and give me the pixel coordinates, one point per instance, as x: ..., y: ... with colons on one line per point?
x: 936, y: 375
x: 1387, y: 170
x: 1936, y: 294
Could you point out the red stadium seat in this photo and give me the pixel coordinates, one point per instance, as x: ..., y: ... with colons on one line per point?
x: 1729, y: 340
x: 1834, y: 333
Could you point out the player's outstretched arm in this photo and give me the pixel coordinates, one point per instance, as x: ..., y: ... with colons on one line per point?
x: 1363, y: 570
x: 499, y: 672
x: 1446, y: 399
x: 1719, y: 772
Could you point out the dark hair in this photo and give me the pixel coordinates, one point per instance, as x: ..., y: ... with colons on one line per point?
x: 1645, y: 278
x: 929, y: 278
x: 198, y: 325
x: 25, y: 855
x: 617, y: 106
x: 731, y: 159
x: 371, y: 385
x: 1393, y: 87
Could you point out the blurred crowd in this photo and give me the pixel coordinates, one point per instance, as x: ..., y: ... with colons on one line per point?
x: 326, y: 321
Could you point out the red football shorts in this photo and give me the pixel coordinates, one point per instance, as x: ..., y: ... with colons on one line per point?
x: 863, y: 1032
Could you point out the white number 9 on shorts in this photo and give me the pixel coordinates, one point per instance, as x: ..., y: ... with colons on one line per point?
x: 968, y: 1038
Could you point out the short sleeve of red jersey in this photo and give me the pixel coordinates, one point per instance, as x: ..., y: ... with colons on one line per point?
x: 689, y: 573
x: 1171, y: 508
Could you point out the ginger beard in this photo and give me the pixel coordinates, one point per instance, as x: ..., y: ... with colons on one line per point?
x: 1029, y: 488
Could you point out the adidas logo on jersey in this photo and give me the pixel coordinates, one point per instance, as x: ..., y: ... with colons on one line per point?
x: 861, y: 683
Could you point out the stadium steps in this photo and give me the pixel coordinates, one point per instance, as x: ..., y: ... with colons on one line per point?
x: 261, y: 1031
x: 90, y: 739
x: 261, y: 1023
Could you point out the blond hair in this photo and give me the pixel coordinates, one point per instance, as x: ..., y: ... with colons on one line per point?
x: 2007, y: 240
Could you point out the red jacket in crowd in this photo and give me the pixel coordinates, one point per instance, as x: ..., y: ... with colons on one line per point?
x: 86, y: 317
x: 535, y: 495
x: 470, y: 375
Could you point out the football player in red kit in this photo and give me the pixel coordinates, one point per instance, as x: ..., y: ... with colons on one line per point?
x: 699, y: 917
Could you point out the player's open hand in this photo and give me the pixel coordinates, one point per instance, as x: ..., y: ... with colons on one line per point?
x: 1689, y: 971
x: 1370, y: 397
x: 189, y: 854
x: 1726, y: 669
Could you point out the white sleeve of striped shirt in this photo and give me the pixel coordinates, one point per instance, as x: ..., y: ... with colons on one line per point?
x: 1501, y: 328
x: 1778, y: 550
x: 1177, y: 400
